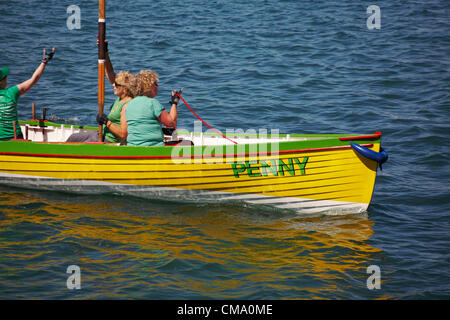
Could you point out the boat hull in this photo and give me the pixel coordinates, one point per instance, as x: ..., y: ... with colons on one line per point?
x: 89, y: 187
x: 311, y: 175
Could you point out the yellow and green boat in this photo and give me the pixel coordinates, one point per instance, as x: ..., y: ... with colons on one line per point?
x: 306, y: 173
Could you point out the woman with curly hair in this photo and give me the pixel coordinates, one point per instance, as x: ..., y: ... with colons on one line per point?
x: 124, y: 88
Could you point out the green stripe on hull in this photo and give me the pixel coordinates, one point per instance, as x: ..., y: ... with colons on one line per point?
x: 131, y: 151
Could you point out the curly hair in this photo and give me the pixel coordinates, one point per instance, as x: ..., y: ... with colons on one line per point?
x: 144, y: 81
x: 127, y: 80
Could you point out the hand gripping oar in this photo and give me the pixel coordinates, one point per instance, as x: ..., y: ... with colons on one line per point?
x: 184, y: 101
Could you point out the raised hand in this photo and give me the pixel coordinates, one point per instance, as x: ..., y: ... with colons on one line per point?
x: 175, y: 96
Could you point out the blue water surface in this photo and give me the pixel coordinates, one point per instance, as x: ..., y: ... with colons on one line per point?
x: 296, y: 66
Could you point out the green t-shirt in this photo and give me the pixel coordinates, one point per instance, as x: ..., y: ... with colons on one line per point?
x: 8, y: 112
x: 114, y: 117
x: 144, y: 129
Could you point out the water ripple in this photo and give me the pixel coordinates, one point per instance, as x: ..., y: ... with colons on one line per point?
x: 302, y: 67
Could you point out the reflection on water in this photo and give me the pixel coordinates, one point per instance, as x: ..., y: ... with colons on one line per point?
x: 133, y: 248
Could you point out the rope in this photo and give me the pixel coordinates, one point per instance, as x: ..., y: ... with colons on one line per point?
x: 184, y: 101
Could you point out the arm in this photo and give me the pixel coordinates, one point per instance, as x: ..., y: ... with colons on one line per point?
x: 123, y: 123
x: 110, y: 74
x: 109, y: 70
x: 28, y: 84
x: 169, y: 119
x: 119, y: 131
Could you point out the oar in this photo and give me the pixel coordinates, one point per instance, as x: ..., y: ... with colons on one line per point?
x: 101, y: 62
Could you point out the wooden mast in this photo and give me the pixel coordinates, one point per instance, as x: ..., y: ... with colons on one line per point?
x: 101, y: 62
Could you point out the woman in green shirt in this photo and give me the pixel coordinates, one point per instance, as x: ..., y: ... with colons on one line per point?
x: 141, y: 124
x: 124, y: 84
x: 124, y: 88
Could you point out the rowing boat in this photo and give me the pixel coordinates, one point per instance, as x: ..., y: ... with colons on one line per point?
x: 305, y: 173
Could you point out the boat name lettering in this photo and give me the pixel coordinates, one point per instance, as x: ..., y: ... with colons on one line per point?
x: 274, y: 167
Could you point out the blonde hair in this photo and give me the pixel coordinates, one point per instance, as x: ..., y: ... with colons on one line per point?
x: 128, y: 80
x: 144, y: 81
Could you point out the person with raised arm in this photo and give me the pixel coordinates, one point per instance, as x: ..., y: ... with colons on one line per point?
x: 123, y: 84
x: 145, y: 115
x: 142, y: 117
